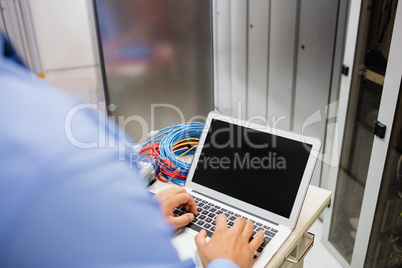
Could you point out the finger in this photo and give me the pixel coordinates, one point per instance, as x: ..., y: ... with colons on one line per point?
x: 176, y: 190
x: 257, y: 241
x: 191, y: 206
x: 182, y: 220
x: 239, y: 225
x: 164, y: 194
x: 248, y: 229
x: 160, y: 196
x: 221, y: 222
x: 179, y: 199
x: 200, y: 239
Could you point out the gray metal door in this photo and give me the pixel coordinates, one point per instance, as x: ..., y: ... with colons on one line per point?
x: 157, y: 61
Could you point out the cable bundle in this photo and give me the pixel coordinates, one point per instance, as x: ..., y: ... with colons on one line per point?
x: 168, y: 145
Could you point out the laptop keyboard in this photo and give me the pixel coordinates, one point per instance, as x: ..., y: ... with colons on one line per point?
x: 205, y: 219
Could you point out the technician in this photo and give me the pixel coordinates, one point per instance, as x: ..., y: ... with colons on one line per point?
x: 65, y: 206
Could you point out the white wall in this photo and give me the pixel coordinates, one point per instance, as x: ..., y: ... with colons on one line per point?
x: 62, y: 29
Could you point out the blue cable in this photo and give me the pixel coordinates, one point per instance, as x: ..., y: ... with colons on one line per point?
x: 171, y: 135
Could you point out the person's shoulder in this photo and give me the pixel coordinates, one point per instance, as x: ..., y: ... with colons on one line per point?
x: 39, y: 117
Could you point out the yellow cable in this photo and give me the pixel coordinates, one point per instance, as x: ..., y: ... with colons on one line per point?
x: 187, y: 139
x: 177, y: 144
x: 181, y: 144
x: 188, y: 150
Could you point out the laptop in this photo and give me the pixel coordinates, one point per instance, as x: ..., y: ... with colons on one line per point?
x: 244, y: 169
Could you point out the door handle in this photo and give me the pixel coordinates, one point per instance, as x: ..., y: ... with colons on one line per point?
x: 309, y: 236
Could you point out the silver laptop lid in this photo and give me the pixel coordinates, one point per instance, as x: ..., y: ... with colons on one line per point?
x: 255, y: 168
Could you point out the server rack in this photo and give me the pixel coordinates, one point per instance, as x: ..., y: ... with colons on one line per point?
x: 362, y: 228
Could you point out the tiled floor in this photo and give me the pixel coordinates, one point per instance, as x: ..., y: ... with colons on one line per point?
x: 83, y: 83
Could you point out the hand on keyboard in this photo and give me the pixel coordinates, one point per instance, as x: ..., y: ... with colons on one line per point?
x: 229, y: 243
x: 173, y: 197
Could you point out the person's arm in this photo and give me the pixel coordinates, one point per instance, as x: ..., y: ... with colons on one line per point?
x: 65, y: 206
x: 90, y: 211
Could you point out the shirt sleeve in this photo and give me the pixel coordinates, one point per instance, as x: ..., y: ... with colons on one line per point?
x: 225, y: 263
x: 90, y: 211
x: 62, y: 205
x: 67, y: 206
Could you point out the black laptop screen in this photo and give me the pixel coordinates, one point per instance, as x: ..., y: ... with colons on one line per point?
x: 253, y: 166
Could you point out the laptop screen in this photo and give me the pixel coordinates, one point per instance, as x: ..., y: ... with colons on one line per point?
x: 256, y: 167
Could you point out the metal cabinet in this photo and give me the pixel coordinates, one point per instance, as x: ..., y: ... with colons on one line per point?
x: 279, y: 62
x: 157, y: 62
x: 362, y: 227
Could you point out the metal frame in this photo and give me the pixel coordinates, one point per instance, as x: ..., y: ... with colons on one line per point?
x: 32, y: 49
x: 386, y: 114
x: 330, y: 152
x: 17, y: 21
x: 101, y: 92
x: 380, y: 146
x: 2, y: 25
x: 348, y: 59
x: 221, y: 35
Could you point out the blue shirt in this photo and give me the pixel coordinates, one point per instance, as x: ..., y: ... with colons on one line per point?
x: 68, y: 196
